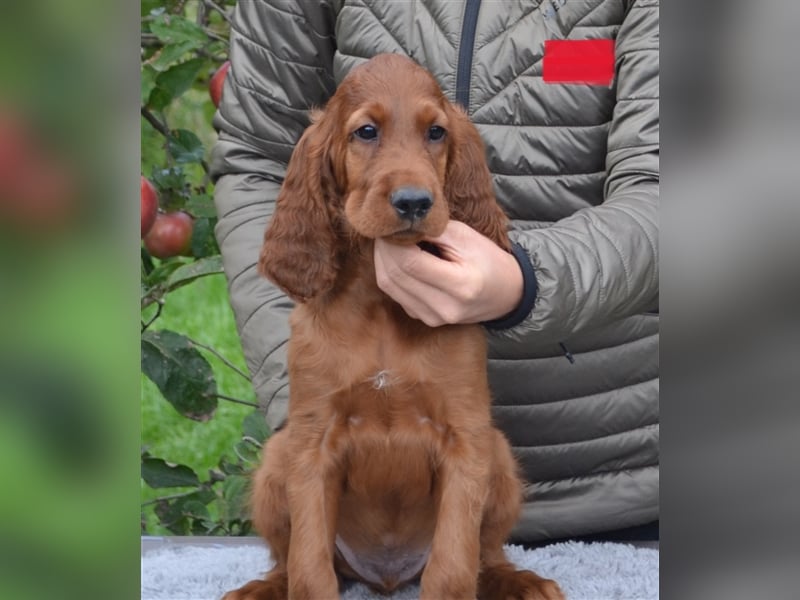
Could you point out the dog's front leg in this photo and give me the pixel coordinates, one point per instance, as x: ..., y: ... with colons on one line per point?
x: 462, y: 488
x: 313, y: 489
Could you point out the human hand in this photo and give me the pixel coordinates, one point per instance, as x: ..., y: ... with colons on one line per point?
x: 474, y: 280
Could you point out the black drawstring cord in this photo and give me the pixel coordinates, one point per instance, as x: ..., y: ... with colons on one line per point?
x: 567, y: 353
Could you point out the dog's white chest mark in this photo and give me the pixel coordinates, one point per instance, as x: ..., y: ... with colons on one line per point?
x: 381, y: 380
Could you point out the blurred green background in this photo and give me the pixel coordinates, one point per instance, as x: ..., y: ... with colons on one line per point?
x: 74, y: 406
x: 69, y: 324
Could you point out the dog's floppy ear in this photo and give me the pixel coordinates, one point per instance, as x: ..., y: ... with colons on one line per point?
x: 468, y: 183
x: 300, y: 246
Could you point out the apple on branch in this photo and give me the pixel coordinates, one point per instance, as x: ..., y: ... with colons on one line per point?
x: 171, y: 235
x: 149, y: 205
x: 217, y: 82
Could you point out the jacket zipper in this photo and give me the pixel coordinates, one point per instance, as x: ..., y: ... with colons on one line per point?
x: 567, y: 353
x: 465, y: 50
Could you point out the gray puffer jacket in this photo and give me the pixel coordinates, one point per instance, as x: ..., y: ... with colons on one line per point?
x: 575, y: 166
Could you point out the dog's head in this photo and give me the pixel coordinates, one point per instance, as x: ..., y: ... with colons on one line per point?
x: 389, y: 157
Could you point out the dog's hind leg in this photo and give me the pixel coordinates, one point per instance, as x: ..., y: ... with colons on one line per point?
x: 498, y: 578
x: 270, y: 512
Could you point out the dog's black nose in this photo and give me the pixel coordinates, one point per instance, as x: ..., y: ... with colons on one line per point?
x: 411, y: 203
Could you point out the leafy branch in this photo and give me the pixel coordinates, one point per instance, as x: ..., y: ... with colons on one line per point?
x: 219, y: 9
x: 155, y: 122
x: 183, y: 45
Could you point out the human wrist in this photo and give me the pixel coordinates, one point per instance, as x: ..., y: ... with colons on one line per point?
x: 527, y: 293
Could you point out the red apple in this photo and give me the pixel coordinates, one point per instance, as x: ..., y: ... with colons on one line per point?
x: 171, y: 235
x: 149, y: 205
x: 217, y: 82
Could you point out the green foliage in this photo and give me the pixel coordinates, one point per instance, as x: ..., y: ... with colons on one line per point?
x: 182, y: 374
x: 158, y: 473
x: 183, y: 43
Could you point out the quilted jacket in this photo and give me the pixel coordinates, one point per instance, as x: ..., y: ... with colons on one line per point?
x: 575, y: 166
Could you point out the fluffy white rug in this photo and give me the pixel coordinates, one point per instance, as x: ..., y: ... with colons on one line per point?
x: 599, y: 571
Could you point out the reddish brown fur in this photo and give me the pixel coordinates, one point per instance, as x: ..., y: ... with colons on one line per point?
x: 389, y: 451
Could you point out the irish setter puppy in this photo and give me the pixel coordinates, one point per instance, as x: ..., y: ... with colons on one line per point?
x: 389, y: 467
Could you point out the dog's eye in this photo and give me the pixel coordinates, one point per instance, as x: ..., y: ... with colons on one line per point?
x: 366, y: 133
x: 436, y: 133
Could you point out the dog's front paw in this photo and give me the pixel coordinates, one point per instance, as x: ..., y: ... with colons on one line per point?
x: 502, y: 583
x: 275, y: 587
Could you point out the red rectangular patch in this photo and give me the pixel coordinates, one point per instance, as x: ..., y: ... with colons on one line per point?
x: 578, y: 61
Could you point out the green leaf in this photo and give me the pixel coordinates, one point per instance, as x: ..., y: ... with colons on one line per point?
x: 181, y: 373
x: 170, y: 54
x: 204, y: 243
x: 187, y: 273
x: 163, y: 272
x: 172, y: 29
x: 195, y: 509
x: 149, y: 5
x: 185, y: 147
x: 171, y: 518
x: 159, y: 99
x: 255, y: 426
x: 231, y: 468
x: 157, y: 7
x: 248, y: 452
x: 148, y: 83
x: 171, y: 178
x: 201, y: 205
x: 175, y: 81
x: 235, y: 494
x: 180, y: 515
x: 158, y: 473
x: 147, y: 265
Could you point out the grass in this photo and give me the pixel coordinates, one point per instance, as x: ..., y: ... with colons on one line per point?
x: 201, y: 311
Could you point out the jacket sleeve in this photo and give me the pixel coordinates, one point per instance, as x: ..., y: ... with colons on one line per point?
x: 281, y: 57
x: 601, y: 263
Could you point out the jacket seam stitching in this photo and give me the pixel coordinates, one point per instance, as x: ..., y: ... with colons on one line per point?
x: 274, y: 102
x: 249, y: 40
x: 561, y: 355
x: 543, y: 125
x: 275, y: 395
x: 507, y: 31
x: 271, y: 6
x: 602, y: 291
x: 496, y: 94
x: 644, y: 146
x: 272, y: 351
x: 244, y: 326
x: 382, y: 24
x: 576, y: 398
x: 250, y: 204
x: 592, y: 10
x: 438, y: 25
x: 640, y: 6
x: 241, y: 139
x: 639, y: 219
x: 648, y: 426
x: 235, y: 227
x: 542, y: 175
x: 638, y: 98
x: 236, y: 277
x: 622, y: 55
x: 599, y: 473
x: 625, y: 266
x: 574, y: 310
